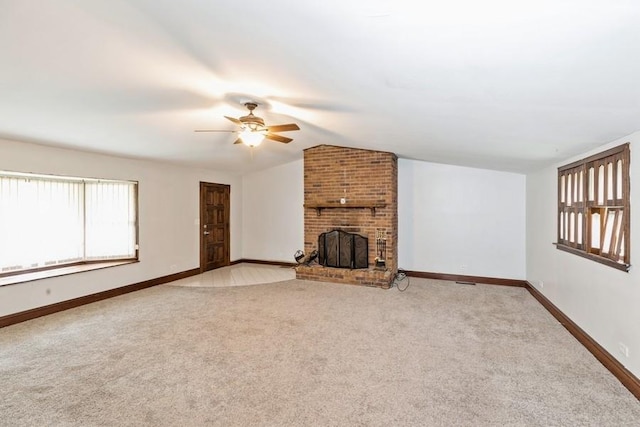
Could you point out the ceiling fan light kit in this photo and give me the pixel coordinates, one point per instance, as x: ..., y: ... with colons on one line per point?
x: 252, y: 138
x: 253, y: 129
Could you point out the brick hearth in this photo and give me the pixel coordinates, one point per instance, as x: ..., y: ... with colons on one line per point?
x: 368, y: 180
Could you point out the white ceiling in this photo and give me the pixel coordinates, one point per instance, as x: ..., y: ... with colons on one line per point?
x: 498, y: 84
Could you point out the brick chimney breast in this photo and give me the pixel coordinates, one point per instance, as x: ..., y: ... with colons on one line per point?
x: 352, y: 190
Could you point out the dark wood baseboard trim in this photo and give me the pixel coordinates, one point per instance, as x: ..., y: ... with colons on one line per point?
x: 629, y: 380
x: 22, y: 316
x: 259, y: 261
x: 467, y: 279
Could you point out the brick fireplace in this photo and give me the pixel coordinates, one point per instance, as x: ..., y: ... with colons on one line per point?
x: 355, y: 191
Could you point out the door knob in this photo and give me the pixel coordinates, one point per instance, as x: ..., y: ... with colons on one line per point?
x: 206, y: 232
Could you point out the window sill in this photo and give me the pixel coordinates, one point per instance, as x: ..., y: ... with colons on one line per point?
x: 601, y: 260
x: 62, y: 271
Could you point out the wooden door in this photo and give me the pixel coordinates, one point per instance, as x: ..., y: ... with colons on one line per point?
x: 214, y: 225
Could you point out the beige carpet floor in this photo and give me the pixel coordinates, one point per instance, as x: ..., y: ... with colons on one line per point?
x: 299, y: 353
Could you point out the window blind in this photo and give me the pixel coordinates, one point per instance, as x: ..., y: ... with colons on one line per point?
x: 47, y: 221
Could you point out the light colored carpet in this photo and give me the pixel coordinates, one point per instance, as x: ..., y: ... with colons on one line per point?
x: 307, y: 353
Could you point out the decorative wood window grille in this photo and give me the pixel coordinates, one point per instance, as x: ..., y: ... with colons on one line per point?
x: 593, y: 207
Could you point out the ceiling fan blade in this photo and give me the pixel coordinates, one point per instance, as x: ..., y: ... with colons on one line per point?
x: 238, y: 141
x: 234, y: 120
x: 283, y: 128
x: 278, y: 138
x: 213, y: 130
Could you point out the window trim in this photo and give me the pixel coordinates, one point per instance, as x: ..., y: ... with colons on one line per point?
x: 60, y: 270
x: 622, y: 152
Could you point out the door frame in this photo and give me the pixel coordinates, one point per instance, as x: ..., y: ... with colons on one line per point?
x: 201, y: 230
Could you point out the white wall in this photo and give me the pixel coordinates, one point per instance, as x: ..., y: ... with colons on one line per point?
x: 603, y: 301
x: 168, y: 209
x: 273, y: 213
x: 460, y: 220
x: 449, y: 217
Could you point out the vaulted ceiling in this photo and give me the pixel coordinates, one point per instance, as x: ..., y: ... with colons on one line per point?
x: 507, y: 85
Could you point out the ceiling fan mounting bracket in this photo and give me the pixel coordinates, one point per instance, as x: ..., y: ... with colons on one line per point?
x: 251, y: 121
x: 251, y: 106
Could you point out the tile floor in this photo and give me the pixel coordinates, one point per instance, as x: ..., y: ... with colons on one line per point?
x: 242, y: 274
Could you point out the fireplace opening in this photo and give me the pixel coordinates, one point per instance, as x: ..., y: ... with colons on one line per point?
x: 340, y: 249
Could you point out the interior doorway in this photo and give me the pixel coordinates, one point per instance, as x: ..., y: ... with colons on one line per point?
x: 214, y: 225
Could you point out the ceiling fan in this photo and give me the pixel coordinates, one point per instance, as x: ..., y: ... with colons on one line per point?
x: 253, y: 130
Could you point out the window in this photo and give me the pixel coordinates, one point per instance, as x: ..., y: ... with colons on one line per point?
x: 48, y: 221
x: 593, y: 207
